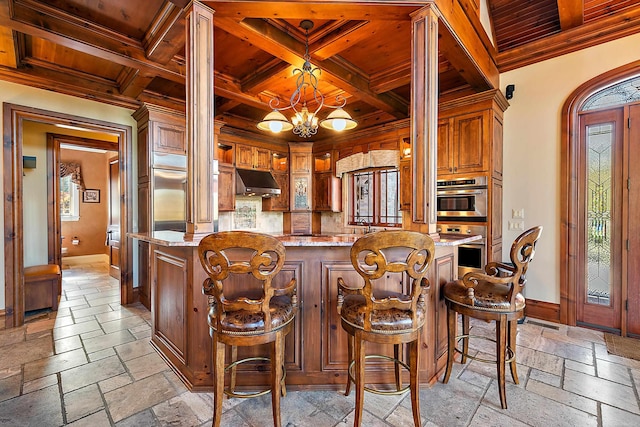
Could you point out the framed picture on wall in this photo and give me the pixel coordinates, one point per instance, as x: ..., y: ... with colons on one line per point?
x: 91, y: 196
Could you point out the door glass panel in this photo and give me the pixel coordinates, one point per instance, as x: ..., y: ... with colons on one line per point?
x: 599, y: 200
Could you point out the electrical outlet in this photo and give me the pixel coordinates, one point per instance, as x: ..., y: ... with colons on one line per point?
x: 515, y: 225
x: 517, y: 213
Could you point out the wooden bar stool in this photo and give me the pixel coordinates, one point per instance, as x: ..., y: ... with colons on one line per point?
x: 389, y: 308
x: 245, y: 309
x: 494, y: 295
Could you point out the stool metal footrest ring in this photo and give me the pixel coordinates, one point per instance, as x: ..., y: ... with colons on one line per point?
x: 510, y: 354
x: 248, y: 395
x: 373, y: 390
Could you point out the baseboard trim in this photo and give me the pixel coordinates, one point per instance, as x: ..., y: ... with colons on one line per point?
x: 542, y: 310
x: 85, y: 259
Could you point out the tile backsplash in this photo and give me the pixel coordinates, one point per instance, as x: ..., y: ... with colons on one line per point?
x: 249, y: 216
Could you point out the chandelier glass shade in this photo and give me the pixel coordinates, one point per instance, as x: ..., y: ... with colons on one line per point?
x: 304, y: 122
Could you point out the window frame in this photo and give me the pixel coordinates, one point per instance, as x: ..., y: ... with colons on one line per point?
x: 375, y: 200
x: 74, y: 203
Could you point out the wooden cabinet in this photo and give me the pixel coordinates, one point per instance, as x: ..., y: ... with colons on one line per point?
x: 280, y: 172
x: 406, y: 188
x: 463, y: 142
x: 298, y: 220
x: 470, y: 143
x: 226, y: 187
x: 327, y: 194
x: 248, y: 157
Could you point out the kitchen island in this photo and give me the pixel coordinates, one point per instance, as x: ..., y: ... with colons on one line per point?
x: 316, y: 349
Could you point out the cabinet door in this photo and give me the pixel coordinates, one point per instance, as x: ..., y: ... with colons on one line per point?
x: 334, y: 349
x: 169, y: 139
x: 281, y: 202
x: 497, y: 148
x: 445, y: 140
x: 262, y: 158
x: 470, y: 139
x: 300, y: 196
x: 301, y: 162
x: 405, y: 185
x: 226, y: 188
x: 327, y: 193
x: 444, y: 271
x: 244, y: 156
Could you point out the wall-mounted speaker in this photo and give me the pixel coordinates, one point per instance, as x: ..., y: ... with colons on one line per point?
x: 508, y: 93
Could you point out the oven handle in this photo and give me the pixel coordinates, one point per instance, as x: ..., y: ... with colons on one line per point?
x: 457, y: 192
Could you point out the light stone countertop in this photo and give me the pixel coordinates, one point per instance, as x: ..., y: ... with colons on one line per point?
x: 178, y: 239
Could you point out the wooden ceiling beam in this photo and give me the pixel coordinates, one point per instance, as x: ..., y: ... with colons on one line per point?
x: 459, y: 58
x: 88, y: 37
x: 470, y: 48
x: 303, y: 9
x: 289, y: 49
x: 261, y: 79
x: 67, y: 84
x: 391, y: 78
x: 622, y: 24
x: 166, y: 35
x: 228, y: 87
x: 132, y: 82
x: 9, y: 51
x: 349, y: 35
x: 571, y: 13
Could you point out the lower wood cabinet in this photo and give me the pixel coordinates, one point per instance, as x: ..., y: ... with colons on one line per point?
x: 316, y: 349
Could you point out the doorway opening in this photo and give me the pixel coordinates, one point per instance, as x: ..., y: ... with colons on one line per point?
x: 14, y: 119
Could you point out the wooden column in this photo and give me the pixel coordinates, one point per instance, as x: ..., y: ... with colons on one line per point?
x: 202, y: 213
x: 424, y: 117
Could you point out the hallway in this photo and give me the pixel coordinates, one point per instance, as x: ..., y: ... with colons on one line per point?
x: 91, y: 364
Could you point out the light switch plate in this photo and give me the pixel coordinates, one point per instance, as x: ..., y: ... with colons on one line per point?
x: 515, y: 225
x: 517, y: 213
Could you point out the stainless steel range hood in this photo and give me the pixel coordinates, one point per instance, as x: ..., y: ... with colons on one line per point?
x: 256, y: 183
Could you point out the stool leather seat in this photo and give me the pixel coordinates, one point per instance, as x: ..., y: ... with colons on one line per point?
x: 488, y: 296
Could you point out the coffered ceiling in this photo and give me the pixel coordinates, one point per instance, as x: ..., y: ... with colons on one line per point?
x: 123, y: 53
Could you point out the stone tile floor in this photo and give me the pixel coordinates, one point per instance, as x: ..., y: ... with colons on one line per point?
x: 91, y: 364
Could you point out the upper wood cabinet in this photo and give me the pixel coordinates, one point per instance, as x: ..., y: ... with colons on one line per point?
x: 226, y: 187
x: 470, y: 136
x: 248, y: 157
x: 327, y: 194
x: 280, y: 172
x: 464, y: 143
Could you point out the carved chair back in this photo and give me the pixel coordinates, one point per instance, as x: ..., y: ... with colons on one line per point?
x: 406, y: 254
x: 523, y: 250
x: 264, y: 257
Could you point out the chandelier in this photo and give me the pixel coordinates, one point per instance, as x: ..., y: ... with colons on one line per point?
x: 305, y: 122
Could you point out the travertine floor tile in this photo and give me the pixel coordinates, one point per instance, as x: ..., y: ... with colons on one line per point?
x: 130, y: 399
x: 99, y: 419
x: 56, y: 363
x: 107, y: 340
x: 82, y: 402
x: 10, y: 387
x: 26, y: 351
x: 90, y: 373
x: 40, y: 408
x: 145, y: 366
x: 605, y: 391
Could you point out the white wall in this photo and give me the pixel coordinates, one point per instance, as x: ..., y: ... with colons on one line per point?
x: 42, y: 99
x: 532, y: 149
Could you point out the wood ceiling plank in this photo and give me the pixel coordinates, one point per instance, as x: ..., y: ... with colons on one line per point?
x: 289, y: 49
x: 83, y: 36
x: 589, y: 34
x: 460, y: 60
x: 391, y: 78
x: 571, y: 13
x: 228, y: 87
